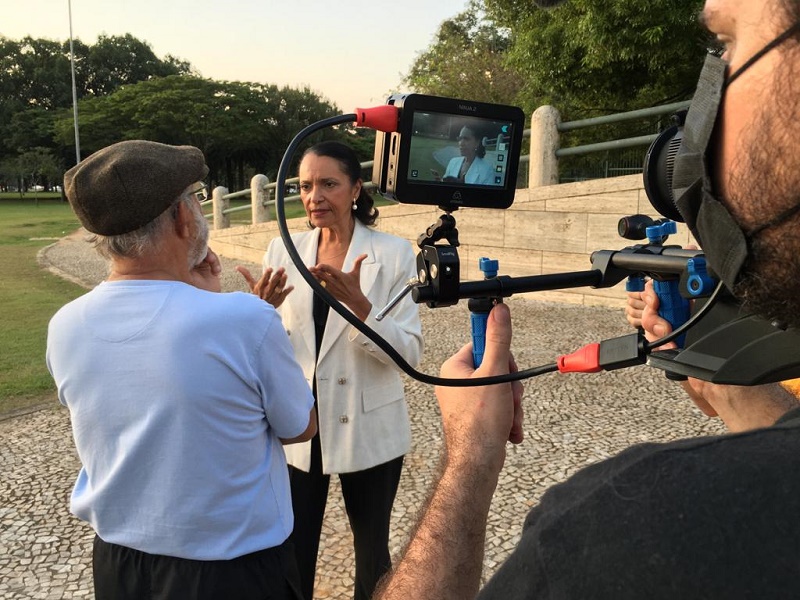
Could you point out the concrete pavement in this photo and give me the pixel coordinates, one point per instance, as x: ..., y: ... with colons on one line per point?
x: 570, y: 421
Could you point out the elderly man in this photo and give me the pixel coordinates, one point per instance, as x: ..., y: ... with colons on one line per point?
x: 180, y: 398
x: 713, y: 517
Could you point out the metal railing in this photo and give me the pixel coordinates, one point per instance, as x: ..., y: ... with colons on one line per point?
x: 644, y: 140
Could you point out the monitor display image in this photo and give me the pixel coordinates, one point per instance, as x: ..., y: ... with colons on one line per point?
x: 449, y: 152
x: 458, y: 150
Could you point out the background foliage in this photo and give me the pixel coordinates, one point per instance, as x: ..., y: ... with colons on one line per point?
x: 584, y: 57
x: 126, y: 92
x: 587, y: 58
x: 467, y: 59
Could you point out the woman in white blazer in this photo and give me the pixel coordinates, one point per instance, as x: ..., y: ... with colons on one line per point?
x: 363, y: 418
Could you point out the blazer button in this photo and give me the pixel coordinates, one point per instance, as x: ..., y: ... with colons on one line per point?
x: 343, y: 419
x: 341, y: 380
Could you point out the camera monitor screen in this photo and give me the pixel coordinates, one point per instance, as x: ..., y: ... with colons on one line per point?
x: 451, y: 153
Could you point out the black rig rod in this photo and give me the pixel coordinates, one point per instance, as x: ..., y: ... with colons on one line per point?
x: 504, y: 286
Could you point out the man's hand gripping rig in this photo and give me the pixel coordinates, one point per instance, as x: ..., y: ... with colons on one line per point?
x: 673, y: 290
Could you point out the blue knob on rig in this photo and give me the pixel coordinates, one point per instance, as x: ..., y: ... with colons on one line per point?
x: 635, y: 283
x: 699, y: 281
x: 488, y: 267
x: 479, y: 312
x: 658, y: 234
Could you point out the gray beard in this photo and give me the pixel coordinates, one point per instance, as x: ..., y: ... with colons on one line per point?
x: 200, y: 247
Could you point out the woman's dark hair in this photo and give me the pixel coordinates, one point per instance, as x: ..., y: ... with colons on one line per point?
x: 480, y: 151
x: 346, y: 157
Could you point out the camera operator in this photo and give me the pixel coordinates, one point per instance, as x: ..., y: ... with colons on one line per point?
x: 180, y: 397
x: 712, y: 517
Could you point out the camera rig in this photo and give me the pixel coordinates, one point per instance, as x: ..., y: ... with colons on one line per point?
x: 721, y: 343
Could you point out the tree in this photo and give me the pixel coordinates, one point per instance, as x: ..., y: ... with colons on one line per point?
x: 362, y: 140
x: 115, y: 61
x: 591, y: 57
x: 242, y: 128
x: 126, y: 92
x: 594, y: 57
x: 10, y: 175
x: 38, y: 166
x: 587, y: 57
x: 36, y: 81
x: 37, y: 72
x: 467, y: 60
x: 34, y: 73
x: 30, y: 128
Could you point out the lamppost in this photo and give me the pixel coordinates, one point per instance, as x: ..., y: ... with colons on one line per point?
x: 74, y: 90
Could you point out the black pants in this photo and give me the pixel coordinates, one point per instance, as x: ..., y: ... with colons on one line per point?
x: 122, y: 573
x: 368, y: 498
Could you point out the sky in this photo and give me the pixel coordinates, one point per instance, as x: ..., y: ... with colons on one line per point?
x: 352, y: 52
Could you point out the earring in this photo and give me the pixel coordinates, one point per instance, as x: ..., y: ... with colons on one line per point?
x: 355, y: 206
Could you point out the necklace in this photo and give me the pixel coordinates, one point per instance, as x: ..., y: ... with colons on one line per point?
x: 332, y: 255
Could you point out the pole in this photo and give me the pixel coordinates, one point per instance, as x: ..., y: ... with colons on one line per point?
x: 74, y: 90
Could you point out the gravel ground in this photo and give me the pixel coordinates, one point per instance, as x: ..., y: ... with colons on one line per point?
x: 570, y: 421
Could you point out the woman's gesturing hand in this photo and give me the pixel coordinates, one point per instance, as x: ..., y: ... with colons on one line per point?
x: 345, y: 286
x: 270, y: 287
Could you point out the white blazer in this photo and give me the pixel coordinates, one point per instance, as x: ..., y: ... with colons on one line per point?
x: 479, y: 171
x: 363, y: 416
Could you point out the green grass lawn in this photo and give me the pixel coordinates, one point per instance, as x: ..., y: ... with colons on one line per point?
x: 29, y: 295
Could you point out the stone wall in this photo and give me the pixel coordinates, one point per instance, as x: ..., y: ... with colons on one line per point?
x: 551, y: 229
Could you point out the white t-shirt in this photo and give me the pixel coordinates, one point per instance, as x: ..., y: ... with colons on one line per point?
x: 177, y: 398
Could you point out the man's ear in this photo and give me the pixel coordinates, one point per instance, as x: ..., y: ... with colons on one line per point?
x: 183, y: 220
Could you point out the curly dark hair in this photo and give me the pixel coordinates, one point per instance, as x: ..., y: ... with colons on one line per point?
x: 346, y: 157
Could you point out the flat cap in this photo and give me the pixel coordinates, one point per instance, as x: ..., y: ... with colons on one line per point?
x: 126, y: 185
